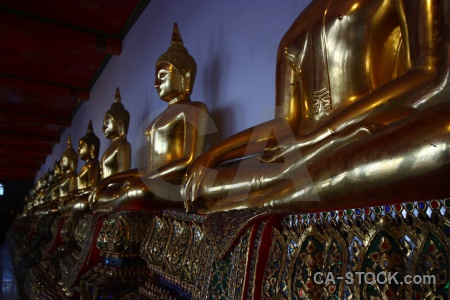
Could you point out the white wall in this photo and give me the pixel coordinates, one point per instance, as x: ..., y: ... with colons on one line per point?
x: 234, y: 43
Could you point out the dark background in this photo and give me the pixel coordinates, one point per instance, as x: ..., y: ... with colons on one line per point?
x: 11, y: 203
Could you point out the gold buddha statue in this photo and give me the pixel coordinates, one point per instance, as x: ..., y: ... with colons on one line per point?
x: 362, y: 115
x: 117, y: 157
x: 41, y: 188
x: 50, y: 184
x: 172, y: 137
x: 88, y: 150
x: 52, y: 177
x: 68, y: 181
x: 39, y: 191
x: 88, y: 176
x: 69, y: 163
x: 54, y: 189
x: 50, y: 194
x: 53, y: 192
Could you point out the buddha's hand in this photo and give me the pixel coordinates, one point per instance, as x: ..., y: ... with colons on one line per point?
x: 278, y: 153
x: 93, y: 196
x: 62, y: 201
x: 97, y: 189
x: 82, y: 192
x: 191, y: 188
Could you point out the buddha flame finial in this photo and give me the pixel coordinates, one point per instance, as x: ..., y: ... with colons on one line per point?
x: 89, y: 129
x: 117, y: 97
x: 69, y: 142
x: 176, y: 36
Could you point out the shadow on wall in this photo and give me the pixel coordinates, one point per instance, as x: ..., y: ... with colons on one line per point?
x: 221, y: 117
x: 213, y: 79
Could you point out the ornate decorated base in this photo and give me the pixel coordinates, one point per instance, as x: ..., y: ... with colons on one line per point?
x: 122, y: 270
x: 27, y: 237
x: 398, y: 251
x: 200, y: 257
x: 60, y: 271
x: 76, y: 262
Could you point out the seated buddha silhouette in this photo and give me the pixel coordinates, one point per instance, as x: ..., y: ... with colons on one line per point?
x: 362, y: 116
x: 172, y: 137
x: 88, y: 176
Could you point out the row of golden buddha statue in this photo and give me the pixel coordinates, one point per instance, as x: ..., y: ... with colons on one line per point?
x: 110, y: 184
x: 362, y: 119
x: 360, y: 115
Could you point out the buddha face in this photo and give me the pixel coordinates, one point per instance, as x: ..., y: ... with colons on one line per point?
x: 168, y: 82
x: 110, y: 127
x: 50, y: 178
x: 57, y: 170
x: 65, y: 163
x: 39, y: 184
x: 83, y: 150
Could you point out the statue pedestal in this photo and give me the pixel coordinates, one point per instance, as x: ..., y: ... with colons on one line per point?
x: 198, y: 257
x: 27, y: 236
x: 60, y: 272
x: 398, y: 251
x: 121, y: 269
x: 40, y: 276
x: 82, y: 258
x: 346, y: 254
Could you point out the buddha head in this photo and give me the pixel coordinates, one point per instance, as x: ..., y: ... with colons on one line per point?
x: 88, y: 147
x: 57, y: 169
x: 175, y: 70
x: 41, y: 184
x: 69, y: 158
x: 117, y: 119
x: 50, y: 177
x: 32, y: 193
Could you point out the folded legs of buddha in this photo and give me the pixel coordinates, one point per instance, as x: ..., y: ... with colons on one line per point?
x: 362, y: 106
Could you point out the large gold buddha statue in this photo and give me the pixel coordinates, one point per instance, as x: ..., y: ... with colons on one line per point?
x: 173, y: 140
x: 362, y: 115
x: 88, y: 176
